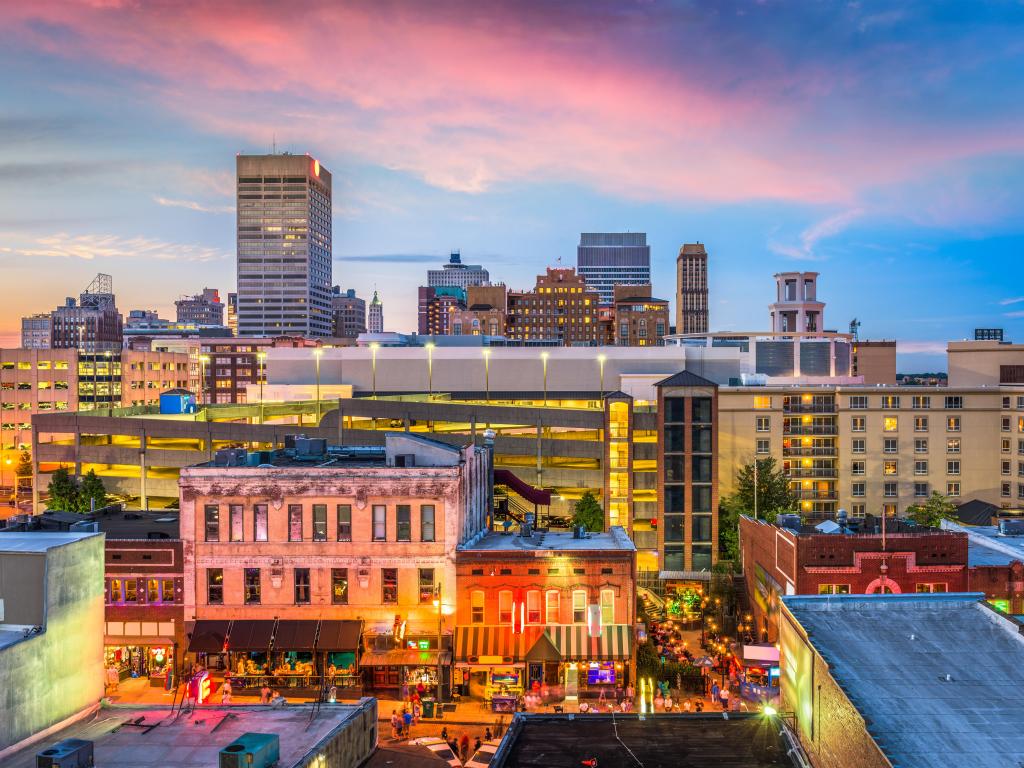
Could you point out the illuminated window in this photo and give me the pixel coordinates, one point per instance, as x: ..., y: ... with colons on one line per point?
x: 933, y: 587
x: 890, y: 424
x: 533, y: 607
x: 890, y: 402
x: 953, y: 424
x: 607, y: 607
x: 889, y: 467
x: 389, y: 585
x: 857, y: 424
x: 215, y: 586
x: 953, y: 445
x: 579, y: 606
x: 294, y: 522
x: 427, y: 587
x: 762, y: 402
x: 339, y: 586
x: 476, y: 600
x: 301, y: 586
x: 551, y: 607
x: 505, y: 606
x: 833, y: 589
x: 953, y: 489
x: 116, y: 593
x: 920, y: 423
x: 252, y: 586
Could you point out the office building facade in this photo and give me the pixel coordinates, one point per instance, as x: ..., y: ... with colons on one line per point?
x: 349, y: 313
x: 455, y: 274
x: 692, y: 289
x: 561, y: 308
x: 91, y: 324
x: 284, y: 246
x: 607, y: 259
x: 35, y: 332
x: 202, y: 309
x: 375, y: 315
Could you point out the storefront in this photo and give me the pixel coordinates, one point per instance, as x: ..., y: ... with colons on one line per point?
x: 139, y: 649
x: 591, y: 665
x: 490, y: 663
x: 401, y: 670
x: 760, y: 673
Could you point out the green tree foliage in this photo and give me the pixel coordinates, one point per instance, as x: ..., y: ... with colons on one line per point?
x: 588, y: 513
x: 936, y: 509
x: 774, y: 497
x: 23, y: 469
x: 91, y: 490
x: 63, y: 492
x: 648, y: 663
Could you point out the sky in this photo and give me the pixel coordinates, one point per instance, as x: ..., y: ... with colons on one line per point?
x: 880, y: 144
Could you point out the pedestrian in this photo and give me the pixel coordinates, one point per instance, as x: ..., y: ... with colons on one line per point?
x: 421, y: 689
x: 668, y: 703
x: 699, y: 705
x: 715, y: 690
x: 464, y: 747
x: 476, y: 745
x: 487, y: 734
x: 265, y: 694
x: 416, y: 711
x: 724, y: 695
x: 225, y: 691
x: 406, y: 721
x: 687, y: 705
x: 630, y: 692
x: 454, y: 746
x: 396, y: 725
x: 444, y: 733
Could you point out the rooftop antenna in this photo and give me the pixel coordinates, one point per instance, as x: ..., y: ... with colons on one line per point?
x: 854, y: 328
x: 273, y: 143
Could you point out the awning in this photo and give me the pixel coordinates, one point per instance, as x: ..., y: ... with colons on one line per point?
x: 251, y: 635
x: 543, y: 650
x: 208, y: 636
x: 403, y: 658
x: 492, y: 645
x: 337, y: 635
x: 295, y: 635
x: 574, y: 642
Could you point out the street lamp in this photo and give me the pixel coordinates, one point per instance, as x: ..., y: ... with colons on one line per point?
x: 487, y: 373
x: 373, y: 366
x: 600, y: 362
x: 261, y: 370
x: 203, y: 361
x: 430, y: 369
x: 544, y: 362
x: 437, y: 604
x: 316, y: 354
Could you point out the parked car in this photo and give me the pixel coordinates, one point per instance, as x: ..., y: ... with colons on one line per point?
x: 483, y: 756
x: 439, y: 748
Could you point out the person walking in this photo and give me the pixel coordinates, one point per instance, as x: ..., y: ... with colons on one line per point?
x: 396, y: 725
x: 487, y: 734
x: 724, y: 696
x: 476, y: 745
x: 406, y: 722
x: 225, y: 691
x: 444, y: 733
x: 464, y: 747
x: 715, y: 690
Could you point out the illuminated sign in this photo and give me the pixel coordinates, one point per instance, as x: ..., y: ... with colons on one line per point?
x: 199, y: 687
x: 424, y: 645
x: 316, y: 168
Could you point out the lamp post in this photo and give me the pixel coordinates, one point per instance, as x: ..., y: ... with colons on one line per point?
x: 373, y: 366
x: 203, y: 360
x: 316, y: 355
x: 261, y: 370
x: 487, y: 374
x: 600, y: 362
x: 438, y: 605
x: 544, y: 363
x: 430, y: 370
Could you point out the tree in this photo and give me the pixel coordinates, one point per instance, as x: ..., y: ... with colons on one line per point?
x: 63, y: 491
x: 588, y: 513
x: 773, y: 492
x: 936, y: 509
x: 648, y: 662
x: 91, y: 491
x: 24, y: 467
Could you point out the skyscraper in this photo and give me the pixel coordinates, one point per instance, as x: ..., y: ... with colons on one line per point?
x: 692, y: 289
x: 202, y: 309
x: 349, y: 313
x: 607, y: 259
x: 93, y: 324
x: 284, y: 246
x: 455, y: 274
x: 375, y: 315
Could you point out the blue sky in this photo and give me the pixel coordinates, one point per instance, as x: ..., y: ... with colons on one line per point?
x: 881, y: 145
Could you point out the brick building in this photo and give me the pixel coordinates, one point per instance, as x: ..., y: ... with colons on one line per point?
x: 553, y: 608
x: 437, y: 308
x: 639, y: 319
x: 561, y: 307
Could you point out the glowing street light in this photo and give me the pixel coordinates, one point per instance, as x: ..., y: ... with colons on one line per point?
x: 430, y: 369
x: 487, y: 373
x: 317, y: 354
x: 373, y: 366
x: 261, y: 370
x: 204, y: 360
x: 544, y: 361
x: 600, y: 362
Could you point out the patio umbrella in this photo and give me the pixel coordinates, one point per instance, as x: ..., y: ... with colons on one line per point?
x: 704, y: 661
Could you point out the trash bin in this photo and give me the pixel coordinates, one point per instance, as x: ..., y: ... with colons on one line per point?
x: 428, y: 707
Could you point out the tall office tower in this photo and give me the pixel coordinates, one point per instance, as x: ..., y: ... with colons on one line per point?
x: 692, y: 289
x: 375, y: 315
x: 796, y: 308
x: 284, y: 246
x: 455, y: 274
x: 349, y: 313
x: 607, y: 259
x: 202, y: 309
x: 93, y: 324
x: 232, y: 313
x: 35, y: 331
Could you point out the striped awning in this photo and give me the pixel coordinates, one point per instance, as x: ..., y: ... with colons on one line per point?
x: 485, y: 645
x: 574, y: 642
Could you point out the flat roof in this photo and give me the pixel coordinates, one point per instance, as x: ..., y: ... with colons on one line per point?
x: 192, y: 740
x: 891, y: 655
x: 706, y: 740
x: 614, y: 538
x: 987, y: 546
x: 39, y: 541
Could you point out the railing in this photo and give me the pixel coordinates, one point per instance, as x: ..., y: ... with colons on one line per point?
x: 800, y: 472
x: 809, y: 408
x: 810, y: 429
x: 804, y: 494
x: 801, y: 451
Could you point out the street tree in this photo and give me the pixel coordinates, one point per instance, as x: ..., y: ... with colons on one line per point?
x: 588, y: 513
x: 773, y: 492
x: 934, y: 510
x: 92, y: 492
x: 63, y: 491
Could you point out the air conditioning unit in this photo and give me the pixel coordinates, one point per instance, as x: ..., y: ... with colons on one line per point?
x: 70, y: 753
x: 251, y: 750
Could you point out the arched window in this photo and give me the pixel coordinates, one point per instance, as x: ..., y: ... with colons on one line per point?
x: 533, y: 607
x: 476, y: 599
x: 551, y: 607
x: 505, y: 606
x: 607, y: 607
x: 579, y: 606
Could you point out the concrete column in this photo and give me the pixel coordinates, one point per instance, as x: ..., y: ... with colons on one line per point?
x: 540, y: 456
x: 143, y: 497
x: 35, y: 473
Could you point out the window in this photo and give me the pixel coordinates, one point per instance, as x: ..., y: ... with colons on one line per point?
x: 1020, y: 490
x: 1020, y: 468
x: 953, y: 424
x: 607, y: 607
x: 551, y: 607
x: 116, y: 593
x: 1004, y: 445
x: 890, y: 490
x: 953, y: 489
x: 1006, y: 402
x: 319, y: 522
x: 252, y: 586
x: 953, y: 445
x: 259, y: 522
x: 954, y: 402
x: 212, y: 522
x: 889, y: 467
x: 833, y: 589
x: 1004, y: 423
x: 1004, y: 490
x: 762, y: 446
x: 1004, y: 467
x: 294, y: 522
x: 344, y: 522
x: 890, y: 445
x: 857, y: 490
x: 389, y: 585
x: 921, y: 445
x: 920, y: 401
x: 426, y: 522
x: 857, y: 467
x: 858, y: 401
x: 921, y: 490
x: 1020, y: 423
x: 889, y: 510
x: 920, y: 423
x: 505, y: 606
x: 890, y: 423
x: 857, y: 424
x: 533, y: 607
x: 857, y: 510
x: 763, y: 424
x: 1020, y: 447
x: 215, y: 586
x: 857, y: 445
x: 428, y: 590
x: 921, y: 467
x: 934, y: 587
x: 131, y: 591
x: 403, y: 522
x: 579, y: 606
x: 380, y: 522
x: 235, y: 515
x: 301, y: 586
x: 762, y: 402
x: 152, y: 591
x: 953, y: 467
x: 476, y: 602
x: 339, y: 586
x: 890, y: 402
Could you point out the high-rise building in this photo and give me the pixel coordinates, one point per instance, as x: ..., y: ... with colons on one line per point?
x: 92, y: 324
x: 562, y: 308
x: 796, y: 308
x: 202, y: 309
x: 233, y: 313
x: 639, y: 319
x: 375, y: 315
x: 349, y: 313
x: 284, y: 246
x: 437, y: 307
x: 35, y: 331
x: 456, y: 274
x: 607, y: 259
x: 692, y: 289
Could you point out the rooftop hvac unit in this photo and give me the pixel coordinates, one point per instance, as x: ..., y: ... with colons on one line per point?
x: 310, y: 447
x: 70, y: 753
x: 789, y: 522
x: 1011, y: 527
x: 86, y: 526
x: 289, y: 441
x: 229, y: 457
x: 251, y: 750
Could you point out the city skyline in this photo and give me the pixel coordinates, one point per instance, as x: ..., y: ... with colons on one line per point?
x: 507, y: 134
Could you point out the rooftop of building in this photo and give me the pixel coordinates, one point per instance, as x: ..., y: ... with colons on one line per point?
x: 988, y: 545
x: 869, y: 526
x: 115, y: 523
x: 122, y: 735
x: 903, y: 662
x: 614, y: 539
x: 666, y: 741
x: 38, y: 541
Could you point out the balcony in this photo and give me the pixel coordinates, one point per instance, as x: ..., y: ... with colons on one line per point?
x: 800, y: 450
x: 810, y: 494
x: 826, y: 408
x: 810, y: 429
x: 799, y: 473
